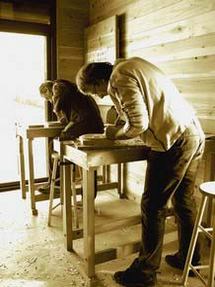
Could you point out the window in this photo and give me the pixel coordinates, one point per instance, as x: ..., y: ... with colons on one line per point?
x: 23, y: 67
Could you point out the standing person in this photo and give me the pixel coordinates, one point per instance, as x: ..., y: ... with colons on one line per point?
x: 77, y: 112
x: 154, y: 110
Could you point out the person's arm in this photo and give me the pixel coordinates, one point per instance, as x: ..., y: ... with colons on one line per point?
x: 66, y: 132
x: 61, y: 117
x: 75, y: 129
x: 128, y: 99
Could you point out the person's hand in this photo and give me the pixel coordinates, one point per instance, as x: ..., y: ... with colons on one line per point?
x: 61, y: 116
x: 64, y: 136
x: 114, y: 132
x: 63, y: 121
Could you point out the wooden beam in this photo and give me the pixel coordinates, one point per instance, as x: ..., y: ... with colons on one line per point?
x: 117, y: 252
x: 118, y: 224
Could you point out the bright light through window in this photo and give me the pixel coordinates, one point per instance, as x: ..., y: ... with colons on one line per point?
x: 22, y: 69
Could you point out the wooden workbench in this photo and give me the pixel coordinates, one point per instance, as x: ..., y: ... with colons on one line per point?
x: 29, y: 133
x: 90, y: 158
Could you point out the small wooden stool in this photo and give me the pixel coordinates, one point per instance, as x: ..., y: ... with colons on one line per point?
x: 208, y: 192
x: 75, y: 181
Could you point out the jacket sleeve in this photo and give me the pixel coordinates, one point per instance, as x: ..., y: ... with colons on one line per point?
x: 129, y: 100
x: 75, y: 129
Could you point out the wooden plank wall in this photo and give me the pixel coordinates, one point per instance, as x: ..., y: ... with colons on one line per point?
x: 101, y: 41
x: 72, y: 18
x: 179, y: 37
x: 101, y: 45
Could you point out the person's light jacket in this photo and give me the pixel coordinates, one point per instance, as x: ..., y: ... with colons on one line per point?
x: 150, y: 103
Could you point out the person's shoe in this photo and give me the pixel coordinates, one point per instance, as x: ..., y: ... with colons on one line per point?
x: 176, y: 262
x: 134, y: 278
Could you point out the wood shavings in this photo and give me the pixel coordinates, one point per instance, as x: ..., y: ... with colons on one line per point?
x: 31, y: 260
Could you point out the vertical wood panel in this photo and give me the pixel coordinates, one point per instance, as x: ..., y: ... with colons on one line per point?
x: 101, y: 44
x: 72, y: 18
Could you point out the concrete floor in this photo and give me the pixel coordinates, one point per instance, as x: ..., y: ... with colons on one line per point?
x: 33, y: 254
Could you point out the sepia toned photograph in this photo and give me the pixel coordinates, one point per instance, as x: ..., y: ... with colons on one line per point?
x: 107, y: 123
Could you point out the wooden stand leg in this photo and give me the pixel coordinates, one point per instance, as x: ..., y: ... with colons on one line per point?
x: 104, y: 174
x: 212, y: 259
x: 120, y: 177
x: 22, y: 167
x: 108, y: 170
x: 31, y: 176
x: 74, y: 196
x: 67, y: 211
x: 89, y: 221
x: 61, y: 176
x: 52, y: 188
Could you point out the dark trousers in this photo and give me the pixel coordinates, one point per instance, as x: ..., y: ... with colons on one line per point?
x: 170, y: 174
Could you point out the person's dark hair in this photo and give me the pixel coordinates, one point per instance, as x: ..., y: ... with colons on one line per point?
x: 47, y: 85
x: 92, y: 73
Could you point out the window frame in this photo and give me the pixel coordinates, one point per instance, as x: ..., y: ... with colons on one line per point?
x: 49, y: 31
